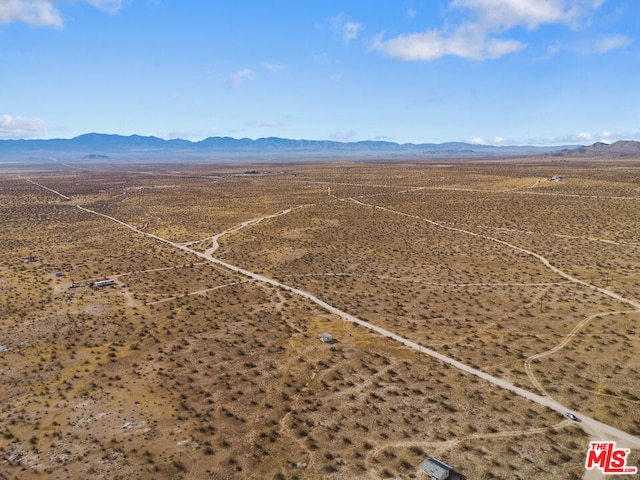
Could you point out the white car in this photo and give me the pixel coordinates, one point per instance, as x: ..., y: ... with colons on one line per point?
x: 571, y: 416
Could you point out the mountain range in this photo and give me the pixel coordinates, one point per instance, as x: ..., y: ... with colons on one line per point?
x: 621, y: 148
x: 99, y: 147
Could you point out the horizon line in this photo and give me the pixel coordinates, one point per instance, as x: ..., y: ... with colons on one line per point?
x: 350, y: 142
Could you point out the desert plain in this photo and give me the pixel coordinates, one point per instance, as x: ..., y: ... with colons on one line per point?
x: 202, y: 358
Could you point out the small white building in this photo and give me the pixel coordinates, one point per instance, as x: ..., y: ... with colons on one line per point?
x: 436, y: 468
x: 325, y: 338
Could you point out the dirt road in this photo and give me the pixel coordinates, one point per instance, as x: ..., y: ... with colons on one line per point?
x: 596, y: 430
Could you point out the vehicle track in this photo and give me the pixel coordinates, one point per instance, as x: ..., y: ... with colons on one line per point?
x: 545, y: 261
x: 596, y: 430
x: 527, y: 363
x: 444, y: 445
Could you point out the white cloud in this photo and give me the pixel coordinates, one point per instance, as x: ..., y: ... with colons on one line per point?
x: 468, y: 42
x: 36, y: 13
x: 240, y: 77
x: 348, y: 30
x: 506, y: 14
x: 343, y: 136
x: 43, y: 13
x: 418, y: 46
x: 607, y: 43
x: 478, y: 34
x: 587, y: 138
x: 606, y: 135
x: 583, y: 137
x: 495, y: 48
x: 20, y: 127
x: 478, y: 141
x: 351, y: 30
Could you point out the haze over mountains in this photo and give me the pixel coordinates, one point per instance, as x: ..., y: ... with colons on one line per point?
x: 99, y: 147
x: 621, y: 148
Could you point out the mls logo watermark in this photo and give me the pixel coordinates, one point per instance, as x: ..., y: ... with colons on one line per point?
x: 608, y: 459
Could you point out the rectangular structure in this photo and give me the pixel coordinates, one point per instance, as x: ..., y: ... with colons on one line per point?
x: 436, y: 468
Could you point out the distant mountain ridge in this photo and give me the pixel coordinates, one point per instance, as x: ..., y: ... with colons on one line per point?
x: 115, y: 142
x: 100, y: 146
x: 621, y: 148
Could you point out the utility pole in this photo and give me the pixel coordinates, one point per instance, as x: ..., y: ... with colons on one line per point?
x: 540, y: 304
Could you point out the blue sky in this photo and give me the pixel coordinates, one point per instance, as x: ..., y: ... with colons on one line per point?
x: 484, y: 71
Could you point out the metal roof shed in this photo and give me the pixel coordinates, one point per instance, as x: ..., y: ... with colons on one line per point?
x: 325, y: 338
x: 436, y: 468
